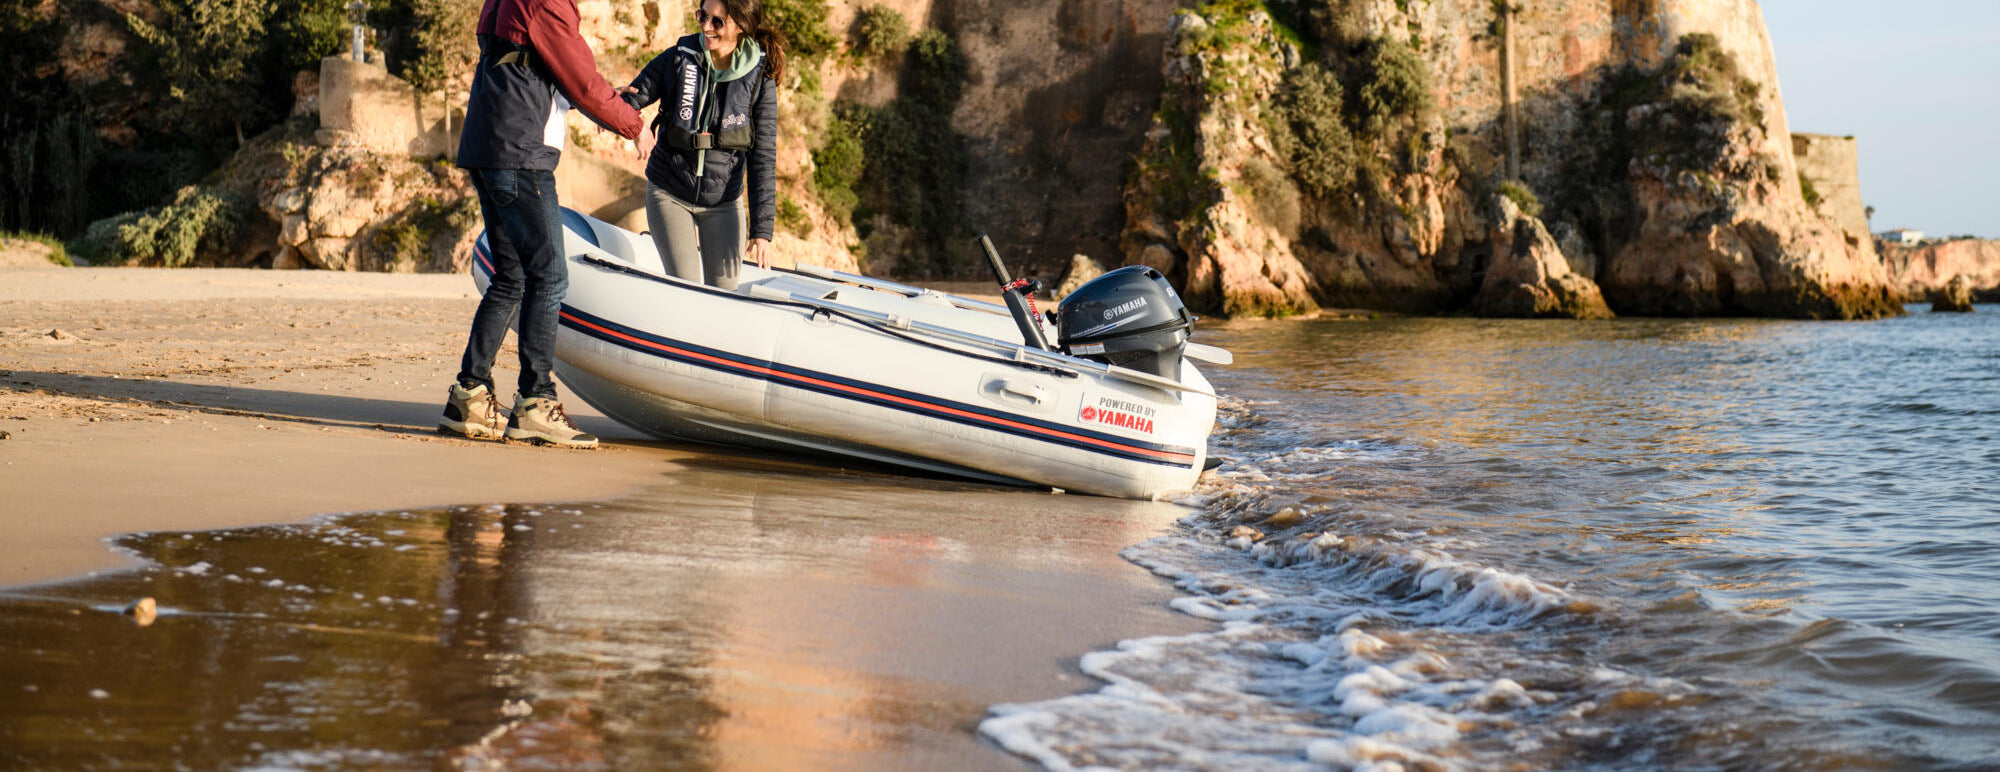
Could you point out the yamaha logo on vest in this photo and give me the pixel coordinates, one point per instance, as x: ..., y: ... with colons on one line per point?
x: 689, y: 76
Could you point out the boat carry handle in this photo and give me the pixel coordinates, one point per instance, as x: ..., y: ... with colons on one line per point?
x: 1032, y: 392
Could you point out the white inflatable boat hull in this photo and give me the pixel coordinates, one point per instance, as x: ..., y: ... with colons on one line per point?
x: 807, y: 362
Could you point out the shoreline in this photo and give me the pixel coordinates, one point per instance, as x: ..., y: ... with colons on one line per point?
x: 272, y: 381
x: 138, y: 400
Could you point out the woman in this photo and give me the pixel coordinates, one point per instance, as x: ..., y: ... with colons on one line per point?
x: 718, y: 125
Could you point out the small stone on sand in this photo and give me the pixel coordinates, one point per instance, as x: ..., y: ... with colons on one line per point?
x: 143, y: 611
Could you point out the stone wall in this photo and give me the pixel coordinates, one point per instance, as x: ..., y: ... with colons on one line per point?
x: 1833, y: 166
x: 362, y: 105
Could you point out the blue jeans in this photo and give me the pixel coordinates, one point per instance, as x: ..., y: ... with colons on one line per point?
x: 530, y: 274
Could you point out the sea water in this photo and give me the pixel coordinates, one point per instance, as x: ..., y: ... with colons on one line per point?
x: 1635, y: 544
x: 1434, y: 544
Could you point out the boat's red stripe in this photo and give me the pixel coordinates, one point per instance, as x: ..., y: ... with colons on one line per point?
x: 1178, y: 457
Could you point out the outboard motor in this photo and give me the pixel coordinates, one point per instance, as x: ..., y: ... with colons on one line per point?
x: 1130, y: 317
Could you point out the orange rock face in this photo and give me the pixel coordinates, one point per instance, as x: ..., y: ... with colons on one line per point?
x: 1919, y: 272
x: 1663, y: 203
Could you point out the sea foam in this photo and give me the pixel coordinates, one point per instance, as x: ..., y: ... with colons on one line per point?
x: 1340, y: 644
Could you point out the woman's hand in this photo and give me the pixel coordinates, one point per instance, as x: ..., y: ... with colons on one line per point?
x: 759, y: 252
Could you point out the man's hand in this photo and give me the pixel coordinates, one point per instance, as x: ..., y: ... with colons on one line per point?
x: 642, y: 145
x: 759, y: 252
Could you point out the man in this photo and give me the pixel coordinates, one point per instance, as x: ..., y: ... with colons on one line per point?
x: 533, y: 65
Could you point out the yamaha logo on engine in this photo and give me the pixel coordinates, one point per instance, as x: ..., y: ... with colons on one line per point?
x: 1125, y: 308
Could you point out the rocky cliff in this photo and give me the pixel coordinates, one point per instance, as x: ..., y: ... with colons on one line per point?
x: 1920, y: 271
x: 1653, y: 151
x: 1271, y: 156
x: 1057, y: 99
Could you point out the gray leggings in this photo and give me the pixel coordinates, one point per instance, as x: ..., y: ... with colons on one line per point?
x: 697, y: 243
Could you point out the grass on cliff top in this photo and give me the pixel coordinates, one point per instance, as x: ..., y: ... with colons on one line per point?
x: 58, y: 253
x: 1529, y: 203
x: 1227, y: 18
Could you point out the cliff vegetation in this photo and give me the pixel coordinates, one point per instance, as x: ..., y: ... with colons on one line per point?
x: 1271, y: 156
x: 109, y: 108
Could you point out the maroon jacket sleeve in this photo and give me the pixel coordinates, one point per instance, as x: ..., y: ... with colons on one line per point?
x: 552, y: 31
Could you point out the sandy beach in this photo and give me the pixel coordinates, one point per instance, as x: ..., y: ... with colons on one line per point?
x: 135, y: 400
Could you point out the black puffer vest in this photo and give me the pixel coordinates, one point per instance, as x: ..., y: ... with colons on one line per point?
x: 712, y: 134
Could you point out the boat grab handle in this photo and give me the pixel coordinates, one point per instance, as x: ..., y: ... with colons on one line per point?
x: 1032, y: 392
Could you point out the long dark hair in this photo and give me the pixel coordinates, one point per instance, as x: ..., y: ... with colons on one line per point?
x: 749, y: 16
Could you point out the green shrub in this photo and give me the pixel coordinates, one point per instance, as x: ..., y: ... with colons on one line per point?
x: 1179, y: 190
x: 838, y: 162
x: 405, y: 241
x: 173, y: 235
x: 1312, y: 136
x: 1522, y: 197
x: 1707, y: 77
x: 1273, y: 196
x: 1394, y: 85
x: 206, y: 56
x: 903, y: 159
x: 1227, y: 25
x: 1666, y: 121
x: 880, y: 31
x: 443, y: 33
x: 306, y: 31
x: 803, y: 24
x: 792, y: 217
x: 938, y: 72
x: 1700, y: 95
x: 99, y: 243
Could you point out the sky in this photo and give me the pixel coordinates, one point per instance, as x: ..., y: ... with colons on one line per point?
x: 1917, y: 83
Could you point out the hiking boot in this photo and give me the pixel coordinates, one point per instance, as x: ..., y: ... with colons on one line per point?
x: 542, y: 421
x: 472, y: 413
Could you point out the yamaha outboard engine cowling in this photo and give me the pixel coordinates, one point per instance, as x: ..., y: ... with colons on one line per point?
x: 1129, y: 317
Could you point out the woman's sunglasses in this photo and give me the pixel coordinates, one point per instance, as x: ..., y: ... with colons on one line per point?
x: 706, y: 21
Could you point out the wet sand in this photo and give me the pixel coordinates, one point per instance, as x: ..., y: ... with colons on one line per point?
x: 868, y: 622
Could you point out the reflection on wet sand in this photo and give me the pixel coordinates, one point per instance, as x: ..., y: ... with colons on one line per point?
x: 729, y: 617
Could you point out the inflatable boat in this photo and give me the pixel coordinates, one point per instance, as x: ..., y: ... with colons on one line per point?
x: 835, y: 363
